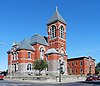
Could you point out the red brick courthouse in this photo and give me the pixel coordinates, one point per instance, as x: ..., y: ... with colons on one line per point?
x: 51, y: 48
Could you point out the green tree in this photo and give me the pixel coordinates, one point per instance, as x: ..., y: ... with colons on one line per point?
x: 40, y: 65
x: 98, y: 68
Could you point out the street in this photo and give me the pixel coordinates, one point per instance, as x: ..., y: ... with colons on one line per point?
x: 17, y: 83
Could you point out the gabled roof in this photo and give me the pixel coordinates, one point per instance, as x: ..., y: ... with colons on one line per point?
x: 51, y: 51
x: 38, y: 39
x: 56, y: 17
x: 25, y: 44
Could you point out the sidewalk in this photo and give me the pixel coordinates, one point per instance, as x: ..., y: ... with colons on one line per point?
x: 49, y: 81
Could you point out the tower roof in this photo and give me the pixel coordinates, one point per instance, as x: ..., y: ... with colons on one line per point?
x: 56, y: 17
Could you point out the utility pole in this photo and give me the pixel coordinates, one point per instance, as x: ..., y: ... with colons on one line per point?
x: 59, y: 71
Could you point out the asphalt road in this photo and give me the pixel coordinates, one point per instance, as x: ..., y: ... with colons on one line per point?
x: 16, y: 83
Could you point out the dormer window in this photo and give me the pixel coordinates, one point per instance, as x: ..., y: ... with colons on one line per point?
x: 62, y: 32
x: 53, y: 31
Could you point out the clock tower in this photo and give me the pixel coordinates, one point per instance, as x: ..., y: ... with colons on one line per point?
x: 56, y: 27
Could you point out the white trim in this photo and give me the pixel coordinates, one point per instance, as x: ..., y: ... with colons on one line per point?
x: 42, y: 46
x: 62, y: 48
x: 63, y: 26
x: 52, y: 25
x: 62, y: 32
x: 53, y: 31
x: 41, y: 53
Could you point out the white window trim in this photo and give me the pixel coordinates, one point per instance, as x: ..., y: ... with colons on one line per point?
x: 42, y: 46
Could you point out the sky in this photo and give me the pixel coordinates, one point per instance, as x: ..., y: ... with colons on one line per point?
x: 20, y: 19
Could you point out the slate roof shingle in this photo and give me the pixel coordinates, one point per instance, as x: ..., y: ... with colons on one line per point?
x: 37, y: 38
x: 25, y: 44
x: 56, y: 17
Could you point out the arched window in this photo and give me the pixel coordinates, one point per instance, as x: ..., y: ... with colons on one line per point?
x: 15, y: 56
x: 53, y: 31
x: 62, y: 32
x: 41, y: 53
x: 29, y: 67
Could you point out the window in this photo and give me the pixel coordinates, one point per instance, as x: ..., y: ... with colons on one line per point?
x: 72, y: 63
x: 72, y: 71
x: 17, y: 67
x: 50, y: 33
x: 76, y: 71
x: 76, y: 64
x: 29, y: 67
x: 81, y: 70
x: 68, y: 70
x: 15, y: 56
x: 29, y: 55
x: 68, y: 64
x: 62, y: 32
x: 53, y: 32
x: 41, y: 53
x: 80, y: 63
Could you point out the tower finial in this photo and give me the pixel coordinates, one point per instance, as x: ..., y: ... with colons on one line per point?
x: 56, y: 8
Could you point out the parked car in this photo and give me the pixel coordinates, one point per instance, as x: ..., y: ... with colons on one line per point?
x: 98, y: 78
x: 1, y: 77
x: 91, y: 78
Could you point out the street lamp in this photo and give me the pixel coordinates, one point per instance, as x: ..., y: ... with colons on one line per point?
x: 10, y: 60
x: 61, y: 69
